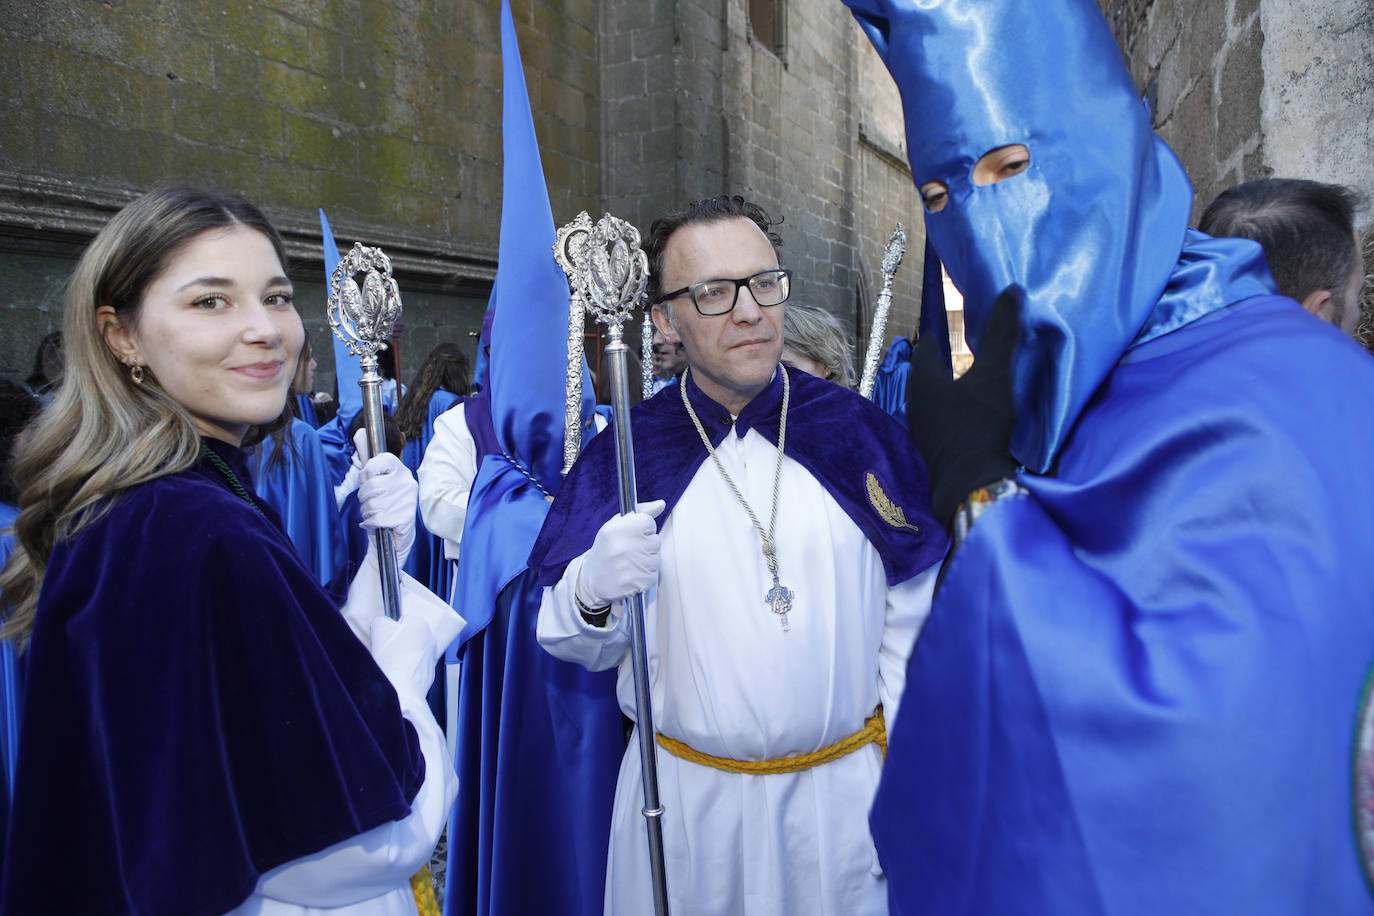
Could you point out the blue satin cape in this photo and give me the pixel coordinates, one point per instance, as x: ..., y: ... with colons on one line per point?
x: 196, y: 712
x: 539, y: 739
x: 889, y: 386
x: 1137, y: 690
x: 296, y: 483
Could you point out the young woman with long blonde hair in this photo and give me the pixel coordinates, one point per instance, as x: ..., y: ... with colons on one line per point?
x: 205, y: 729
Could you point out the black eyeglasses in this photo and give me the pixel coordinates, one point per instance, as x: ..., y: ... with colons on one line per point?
x: 716, y: 297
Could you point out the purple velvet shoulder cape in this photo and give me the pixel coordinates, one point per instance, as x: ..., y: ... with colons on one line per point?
x: 857, y: 452
x: 197, y: 712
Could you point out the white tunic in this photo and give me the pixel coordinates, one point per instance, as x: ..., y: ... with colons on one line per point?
x: 727, y: 680
x: 445, y: 477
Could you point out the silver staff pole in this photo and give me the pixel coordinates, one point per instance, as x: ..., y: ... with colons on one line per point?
x: 892, y: 259
x: 607, y: 271
x: 363, y: 321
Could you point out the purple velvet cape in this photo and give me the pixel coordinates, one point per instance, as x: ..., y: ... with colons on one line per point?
x: 839, y: 437
x: 197, y: 712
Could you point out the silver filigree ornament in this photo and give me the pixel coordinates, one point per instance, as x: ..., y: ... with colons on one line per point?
x: 614, y: 272
x: 363, y: 319
x: 607, y: 272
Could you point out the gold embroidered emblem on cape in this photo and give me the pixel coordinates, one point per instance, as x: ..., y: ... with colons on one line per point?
x: 887, y: 510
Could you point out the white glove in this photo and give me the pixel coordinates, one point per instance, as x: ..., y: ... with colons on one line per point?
x: 387, y: 497
x: 623, y: 559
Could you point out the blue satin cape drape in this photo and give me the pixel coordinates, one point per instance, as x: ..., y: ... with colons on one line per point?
x: 1137, y: 689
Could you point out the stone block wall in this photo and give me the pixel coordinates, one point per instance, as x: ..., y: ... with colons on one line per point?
x: 696, y: 104
x: 386, y: 113
x: 1246, y: 89
x: 803, y: 130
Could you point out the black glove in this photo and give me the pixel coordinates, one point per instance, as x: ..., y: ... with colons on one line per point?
x: 963, y: 428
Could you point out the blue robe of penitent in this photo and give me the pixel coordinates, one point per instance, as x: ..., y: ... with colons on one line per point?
x: 1180, y: 610
x: 197, y: 711
x: 1137, y: 690
x: 295, y: 480
x: 539, y: 739
x: 889, y: 385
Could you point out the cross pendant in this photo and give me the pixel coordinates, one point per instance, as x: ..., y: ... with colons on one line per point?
x: 779, y: 600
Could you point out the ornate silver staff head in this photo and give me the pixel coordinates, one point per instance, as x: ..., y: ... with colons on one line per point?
x: 607, y: 272
x: 363, y: 319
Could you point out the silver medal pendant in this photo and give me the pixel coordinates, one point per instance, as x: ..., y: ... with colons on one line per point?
x: 779, y: 601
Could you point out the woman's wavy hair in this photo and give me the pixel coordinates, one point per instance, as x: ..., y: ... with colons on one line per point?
x: 447, y: 368
x: 103, y: 433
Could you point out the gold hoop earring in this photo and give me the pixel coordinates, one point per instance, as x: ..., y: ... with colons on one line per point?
x: 136, y: 373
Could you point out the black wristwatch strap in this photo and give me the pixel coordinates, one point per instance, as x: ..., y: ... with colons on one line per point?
x: 595, y: 616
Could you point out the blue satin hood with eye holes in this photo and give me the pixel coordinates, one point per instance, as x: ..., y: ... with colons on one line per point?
x: 1092, y: 230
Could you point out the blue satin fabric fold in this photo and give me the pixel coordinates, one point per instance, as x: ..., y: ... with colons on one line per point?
x: 1210, y: 275
x: 305, y: 405
x: 1137, y: 689
x: 297, y: 484
x: 889, y: 387
x: 11, y: 686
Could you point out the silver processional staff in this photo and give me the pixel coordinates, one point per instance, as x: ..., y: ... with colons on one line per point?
x: 607, y: 271
x: 363, y: 321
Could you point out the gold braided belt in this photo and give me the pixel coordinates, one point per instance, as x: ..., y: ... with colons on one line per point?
x: 873, y: 731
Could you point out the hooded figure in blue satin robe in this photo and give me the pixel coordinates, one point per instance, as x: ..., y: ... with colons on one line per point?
x: 1138, y: 689
x: 539, y: 739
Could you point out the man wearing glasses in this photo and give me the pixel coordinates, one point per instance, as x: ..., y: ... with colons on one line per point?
x: 787, y: 557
